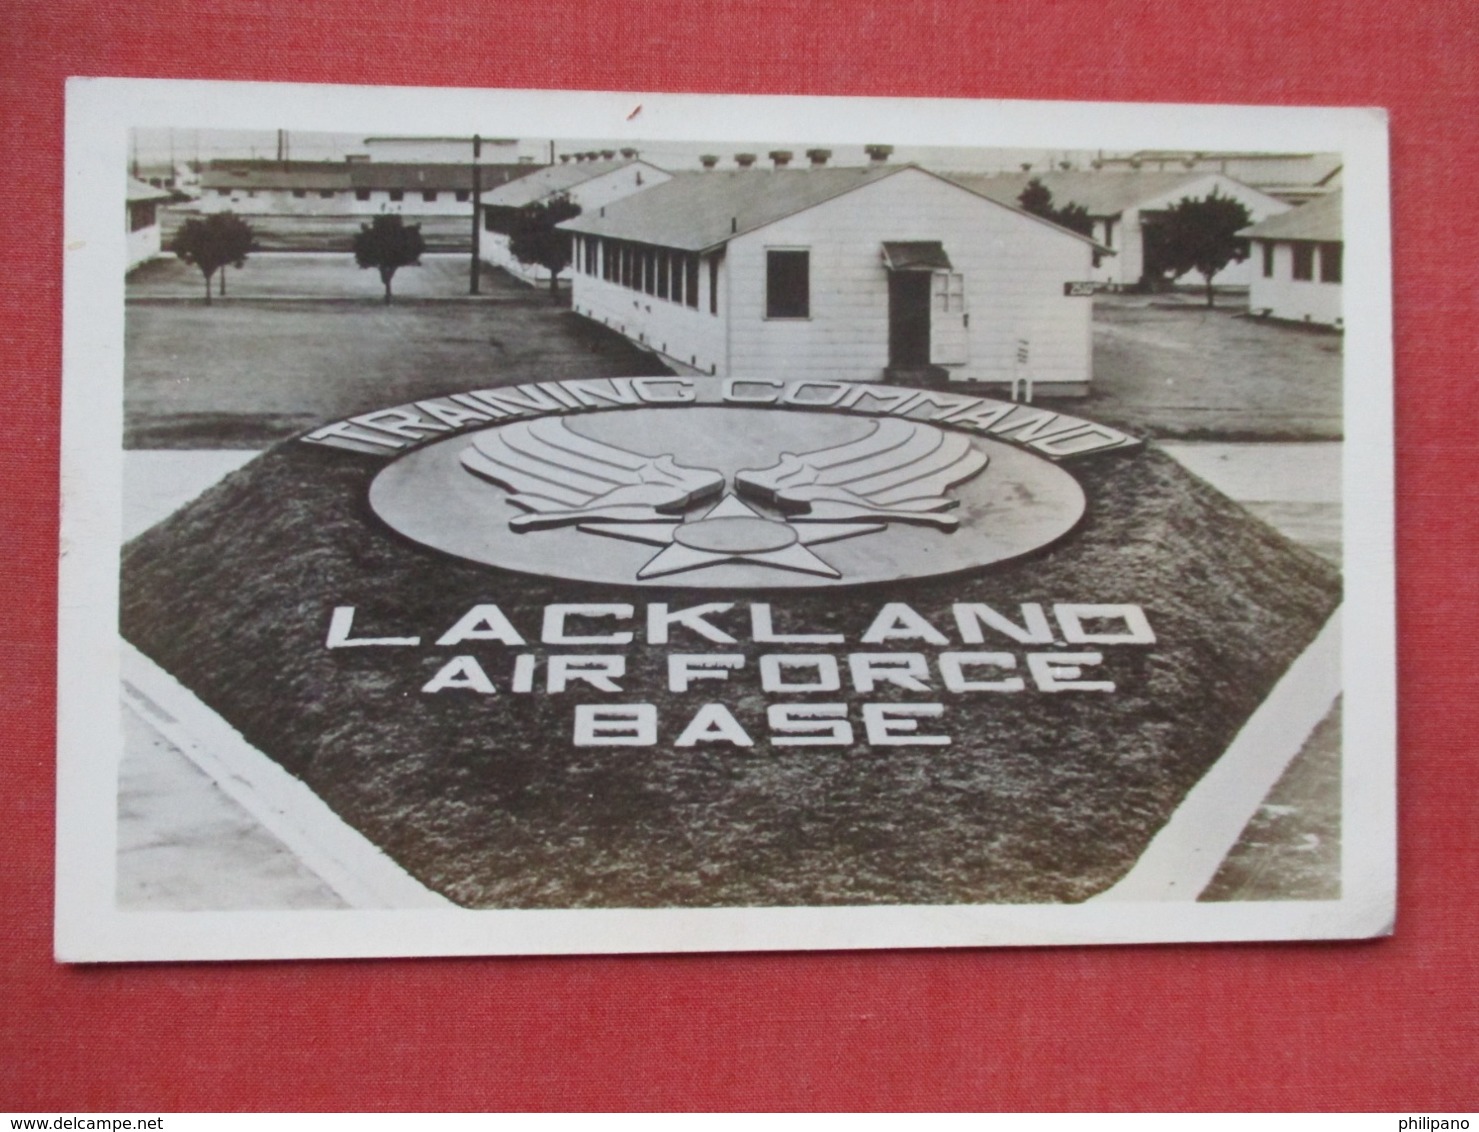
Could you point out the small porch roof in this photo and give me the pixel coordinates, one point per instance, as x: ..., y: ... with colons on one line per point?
x: 915, y: 255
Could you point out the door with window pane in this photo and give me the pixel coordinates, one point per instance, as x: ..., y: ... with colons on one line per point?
x: 949, y: 320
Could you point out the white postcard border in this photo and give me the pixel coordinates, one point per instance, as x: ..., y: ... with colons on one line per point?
x: 89, y: 926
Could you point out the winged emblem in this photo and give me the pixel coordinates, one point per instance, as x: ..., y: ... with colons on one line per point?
x: 899, y: 472
x: 561, y: 478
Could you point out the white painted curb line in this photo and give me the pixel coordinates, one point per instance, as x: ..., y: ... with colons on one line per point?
x: 1184, y: 856
x: 341, y: 856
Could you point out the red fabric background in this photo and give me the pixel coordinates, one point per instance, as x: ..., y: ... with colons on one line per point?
x: 1388, y: 1025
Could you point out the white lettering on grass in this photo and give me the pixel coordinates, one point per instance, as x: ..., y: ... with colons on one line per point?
x: 341, y: 625
x: 615, y: 725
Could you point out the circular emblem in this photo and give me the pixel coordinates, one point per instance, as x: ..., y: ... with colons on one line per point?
x: 717, y: 496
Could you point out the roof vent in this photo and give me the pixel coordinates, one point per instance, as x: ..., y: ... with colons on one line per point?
x: 628, y: 152
x: 781, y: 157
x: 608, y: 154
x: 744, y: 160
x: 878, y: 154
x: 709, y: 160
x: 818, y: 157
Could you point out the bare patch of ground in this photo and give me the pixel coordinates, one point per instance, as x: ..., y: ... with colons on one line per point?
x: 1178, y: 370
x: 260, y: 367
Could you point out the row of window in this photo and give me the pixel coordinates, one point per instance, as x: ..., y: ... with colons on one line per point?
x: 360, y: 194
x: 674, y: 275
x: 659, y: 272
x: 1305, y: 253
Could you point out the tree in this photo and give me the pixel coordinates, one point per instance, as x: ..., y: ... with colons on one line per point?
x: 1202, y: 236
x: 1037, y: 199
x: 389, y: 244
x: 535, y: 240
x: 213, y: 242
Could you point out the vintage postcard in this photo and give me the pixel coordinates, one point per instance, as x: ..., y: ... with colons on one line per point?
x: 505, y: 522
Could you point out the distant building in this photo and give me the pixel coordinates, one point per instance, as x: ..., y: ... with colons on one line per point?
x: 591, y: 185
x: 141, y: 221
x: 838, y: 274
x: 1123, y: 205
x: 347, y: 188
x: 1298, y: 258
x: 181, y: 176
x: 455, y: 150
x: 1291, y: 177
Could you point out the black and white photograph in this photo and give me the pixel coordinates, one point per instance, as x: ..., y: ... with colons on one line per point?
x: 506, y: 522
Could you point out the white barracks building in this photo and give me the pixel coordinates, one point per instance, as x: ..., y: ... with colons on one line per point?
x: 1298, y: 260
x: 1125, y: 205
x: 587, y: 184
x: 857, y: 274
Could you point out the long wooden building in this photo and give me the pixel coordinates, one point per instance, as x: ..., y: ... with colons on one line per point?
x: 857, y: 274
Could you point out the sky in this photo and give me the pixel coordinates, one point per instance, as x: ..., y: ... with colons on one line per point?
x: 152, y: 146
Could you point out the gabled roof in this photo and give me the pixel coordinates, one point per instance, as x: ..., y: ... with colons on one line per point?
x: 1318, y: 220
x: 1100, y: 193
x: 696, y: 212
x: 699, y: 211
x: 138, y: 191
x: 335, y: 178
x: 550, y: 180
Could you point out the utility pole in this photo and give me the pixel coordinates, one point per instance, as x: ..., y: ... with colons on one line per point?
x: 477, y: 210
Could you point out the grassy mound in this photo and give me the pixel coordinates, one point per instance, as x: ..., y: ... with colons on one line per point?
x: 484, y: 798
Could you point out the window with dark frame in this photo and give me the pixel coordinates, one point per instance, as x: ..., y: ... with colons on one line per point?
x: 1330, y: 265
x: 1304, y: 262
x: 326, y: 194
x: 662, y: 275
x: 300, y: 193
x: 690, y: 289
x: 1268, y: 260
x: 429, y: 194
x: 787, y: 283
x: 361, y: 194
x: 713, y: 284
x: 397, y: 194
x: 464, y: 195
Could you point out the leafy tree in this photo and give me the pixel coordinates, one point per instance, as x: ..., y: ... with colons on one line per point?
x: 1202, y: 236
x: 535, y: 240
x: 1037, y: 199
x: 212, y: 242
x: 389, y: 244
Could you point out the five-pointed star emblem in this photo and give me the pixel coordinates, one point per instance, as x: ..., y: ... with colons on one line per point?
x: 732, y: 531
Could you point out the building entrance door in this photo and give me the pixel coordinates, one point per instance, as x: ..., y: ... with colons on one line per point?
x: 908, y: 319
